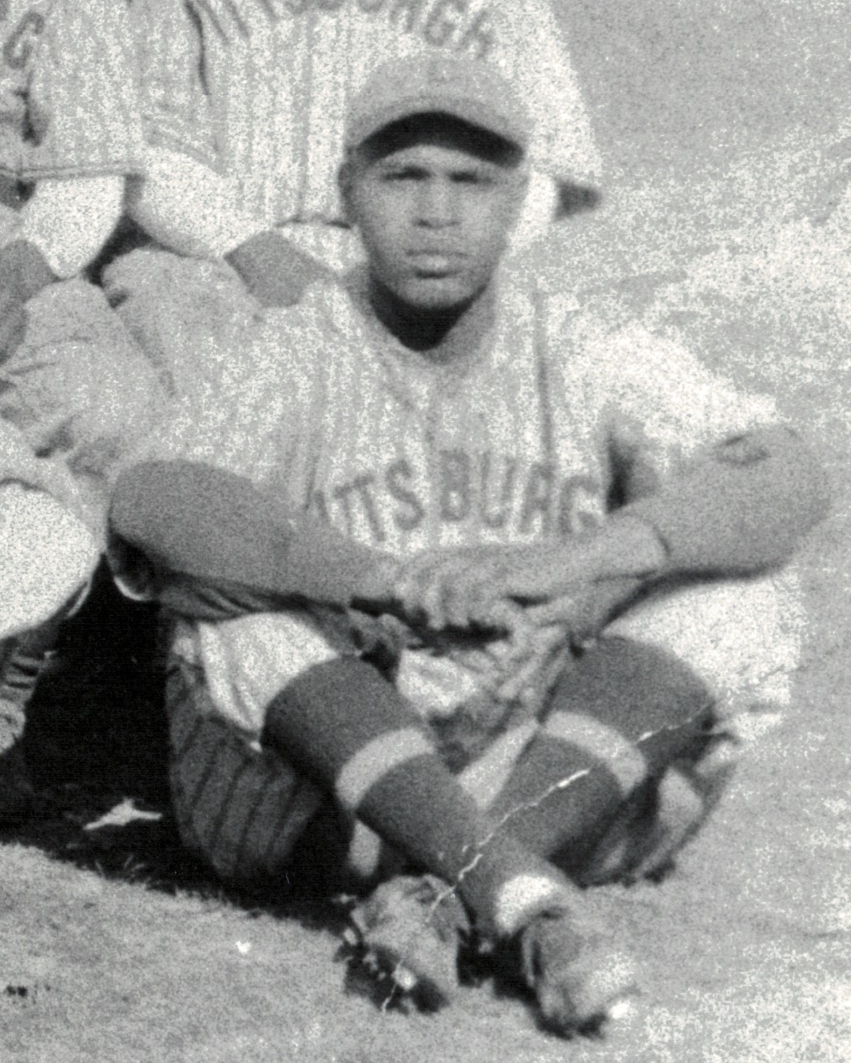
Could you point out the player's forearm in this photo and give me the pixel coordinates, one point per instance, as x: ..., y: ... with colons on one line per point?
x: 741, y: 507
x: 217, y: 530
x: 274, y: 270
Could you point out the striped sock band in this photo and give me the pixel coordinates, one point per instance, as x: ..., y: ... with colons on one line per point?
x: 369, y: 764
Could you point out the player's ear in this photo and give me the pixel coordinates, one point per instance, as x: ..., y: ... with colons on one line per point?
x: 345, y: 178
x: 519, y: 188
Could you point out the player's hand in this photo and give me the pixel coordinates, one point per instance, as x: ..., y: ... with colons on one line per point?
x: 583, y: 614
x: 457, y: 586
x: 23, y: 273
x: 460, y: 586
x: 274, y: 270
x: 537, y: 644
x: 465, y: 586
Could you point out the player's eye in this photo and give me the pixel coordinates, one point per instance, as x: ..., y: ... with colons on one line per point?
x: 474, y: 178
x: 403, y: 173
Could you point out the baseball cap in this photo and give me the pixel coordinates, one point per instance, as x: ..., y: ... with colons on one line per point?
x: 470, y: 90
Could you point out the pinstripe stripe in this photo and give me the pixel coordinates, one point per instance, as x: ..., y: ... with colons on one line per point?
x: 280, y: 821
x: 179, y: 750
x: 261, y: 774
x: 232, y: 11
x: 288, y: 824
x: 204, y: 775
x: 224, y: 803
x: 374, y: 760
x: 605, y: 744
x: 303, y: 803
x: 304, y: 118
x: 210, y: 799
x: 545, y: 405
x: 261, y: 790
x: 270, y: 10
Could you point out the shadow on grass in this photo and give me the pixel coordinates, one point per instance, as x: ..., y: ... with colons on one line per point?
x: 96, y: 746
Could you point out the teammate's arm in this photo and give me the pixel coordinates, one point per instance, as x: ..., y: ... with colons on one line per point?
x: 191, y: 209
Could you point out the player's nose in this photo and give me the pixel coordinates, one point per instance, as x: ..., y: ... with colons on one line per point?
x: 437, y: 204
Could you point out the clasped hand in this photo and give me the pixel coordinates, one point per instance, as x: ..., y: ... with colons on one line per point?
x: 545, y: 597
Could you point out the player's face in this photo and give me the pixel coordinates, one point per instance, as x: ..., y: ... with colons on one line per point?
x: 435, y: 220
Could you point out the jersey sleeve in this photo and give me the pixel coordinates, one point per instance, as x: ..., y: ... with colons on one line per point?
x: 173, y: 41
x: 655, y: 399
x: 532, y: 54
x: 255, y: 381
x: 69, y: 89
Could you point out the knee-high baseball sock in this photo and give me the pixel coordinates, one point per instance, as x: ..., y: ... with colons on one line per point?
x: 21, y: 663
x: 618, y: 719
x: 349, y: 730
x: 22, y: 660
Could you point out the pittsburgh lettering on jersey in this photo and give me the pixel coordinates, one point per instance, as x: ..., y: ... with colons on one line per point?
x: 19, y: 46
x: 444, y: 23
x: 490, y: 493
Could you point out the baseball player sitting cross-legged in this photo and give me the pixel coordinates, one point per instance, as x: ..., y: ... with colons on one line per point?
x: 389, y: 532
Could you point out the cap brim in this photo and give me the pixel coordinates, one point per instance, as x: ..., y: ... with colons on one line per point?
x: 470, y: 111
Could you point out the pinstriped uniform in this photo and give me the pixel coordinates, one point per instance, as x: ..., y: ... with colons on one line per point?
x: 261, y: 88
x: 69, y: 103
x: 513, y: 446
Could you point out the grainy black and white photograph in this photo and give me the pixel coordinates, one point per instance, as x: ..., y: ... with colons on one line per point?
x: 425, y: 531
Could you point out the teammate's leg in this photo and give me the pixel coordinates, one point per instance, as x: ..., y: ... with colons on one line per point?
x: 74, y: 396
x: 48, y: 555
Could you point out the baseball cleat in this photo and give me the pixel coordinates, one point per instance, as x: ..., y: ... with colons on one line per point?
x: 410, y: 929
x: 579, y: 980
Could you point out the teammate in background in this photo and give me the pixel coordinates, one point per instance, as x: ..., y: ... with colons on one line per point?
x: 466, y: 436
x: 246, y: 106
x: 70, y: 130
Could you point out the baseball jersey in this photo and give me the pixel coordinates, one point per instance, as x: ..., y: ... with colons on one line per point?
x: 517, y: 443
x: 68, y: 89
x: 261, y: 88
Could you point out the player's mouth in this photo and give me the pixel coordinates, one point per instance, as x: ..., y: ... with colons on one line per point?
x: 435, y: 263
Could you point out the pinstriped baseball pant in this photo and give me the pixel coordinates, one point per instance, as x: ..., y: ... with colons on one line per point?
x: 239, y: 807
